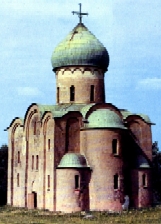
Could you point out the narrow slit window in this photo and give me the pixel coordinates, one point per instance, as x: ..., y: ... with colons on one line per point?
x: 116, y: 180
x: 76, y: 181
x: 32, y: 166
x: 72, y: 93
x: 58, y: 94
x: 114, y: 146
x: 92, y: 93
x: 18, y: 180
x: 144, y: 180
x: 48, y: 181
x: 48, y: 144
x: 18, y: 157
x: 37, y: 162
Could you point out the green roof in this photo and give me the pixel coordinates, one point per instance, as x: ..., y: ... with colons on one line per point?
x: 73, y: 160
x: 80, y: 47
x: 105, y: 118
x: 126, y: 113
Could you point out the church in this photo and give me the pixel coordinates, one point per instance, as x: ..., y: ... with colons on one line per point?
x: 81, y: 153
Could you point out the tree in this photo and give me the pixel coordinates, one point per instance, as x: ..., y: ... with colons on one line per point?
x: 3, y: 173
x: 156, y: 171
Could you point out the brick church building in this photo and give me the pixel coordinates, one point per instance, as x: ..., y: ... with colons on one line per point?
x: 82, y: 153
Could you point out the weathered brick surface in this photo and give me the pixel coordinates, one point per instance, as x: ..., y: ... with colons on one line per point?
x: 141, y: 195
x: 142, y: 134
x: 70, y: 199
x: 82, y: 79
x: 97, y: 147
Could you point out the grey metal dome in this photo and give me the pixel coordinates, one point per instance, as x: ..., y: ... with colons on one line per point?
x: 73, y: 160
x: 105, y: 118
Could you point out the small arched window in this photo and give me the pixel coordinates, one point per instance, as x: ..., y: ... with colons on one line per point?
x: 114, y: 147
x: 144, y: 180
x: 32, y: 165
x: 73, y: 135
x: 72, y: 93
x: 37, y: 162
x: 18, y: 159
x: 48, y: 182
x: 77, y: 181
x: 58, y: 94
x: 48, y: 144
x: 18, y: 180
x: 116, y: 181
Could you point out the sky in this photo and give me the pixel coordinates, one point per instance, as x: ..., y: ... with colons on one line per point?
x: 129, y: 29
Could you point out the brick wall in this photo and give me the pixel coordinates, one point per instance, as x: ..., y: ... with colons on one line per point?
x: 81, y: 79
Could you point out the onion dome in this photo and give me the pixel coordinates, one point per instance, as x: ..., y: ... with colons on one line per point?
x: 105, y: 118
x: 80, y: 48
x: 73, y: 160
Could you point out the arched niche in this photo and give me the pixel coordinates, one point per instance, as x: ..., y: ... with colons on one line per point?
x: 72, y: 135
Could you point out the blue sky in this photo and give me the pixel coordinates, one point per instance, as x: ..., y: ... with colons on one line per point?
x: 129, y: 29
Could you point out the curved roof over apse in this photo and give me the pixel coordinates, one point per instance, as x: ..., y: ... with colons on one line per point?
x: 86, y: 108
x: 40, y: 108
x: 80, y: 48
x: 89, y: 108
x: 73, y: 160
x: 18, y: 119
x: 105, y: 118
x: 144, y: 117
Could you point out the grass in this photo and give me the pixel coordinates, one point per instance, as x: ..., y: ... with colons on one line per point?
x: 9, y: 215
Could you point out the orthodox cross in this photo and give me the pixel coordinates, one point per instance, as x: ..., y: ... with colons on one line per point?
x: 80, y: 13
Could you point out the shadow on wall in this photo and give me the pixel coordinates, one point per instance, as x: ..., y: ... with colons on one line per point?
x: 3, y: 174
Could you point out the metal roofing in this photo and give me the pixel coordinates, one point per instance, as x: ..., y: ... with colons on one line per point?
x: 98, y: 117
x: 73, y: 160
x: 105, y: 118
x: 80, y: 47
x: 126, y: 113
x: 86, y: 108
x: 60, y: 109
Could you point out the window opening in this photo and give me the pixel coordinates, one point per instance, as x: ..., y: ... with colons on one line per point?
x: 72, y: 135
x: 37, y: 162
x: 18, y: 157
x: 114, y: 146
x: 116, y: 178
x: 57, y: 94
x: 76, y: 181
x: 92, y: 93
x: 32, y: 166
x: 144, y: 180
x: 72, y: 93
x: 18, y: 180
x: 48, y: 144
x: 48, y: 181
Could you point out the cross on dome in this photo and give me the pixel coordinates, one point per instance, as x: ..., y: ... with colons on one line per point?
x: 80, y: 13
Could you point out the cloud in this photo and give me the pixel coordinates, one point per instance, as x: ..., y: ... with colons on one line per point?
x: 150, y: 84
x: 28, y: 91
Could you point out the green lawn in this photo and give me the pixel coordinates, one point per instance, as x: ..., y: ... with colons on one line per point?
x: 11, y: 215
